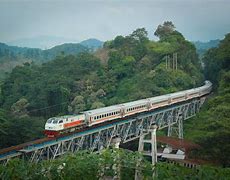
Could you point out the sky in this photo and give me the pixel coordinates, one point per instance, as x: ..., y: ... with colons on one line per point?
x: 104, y: 19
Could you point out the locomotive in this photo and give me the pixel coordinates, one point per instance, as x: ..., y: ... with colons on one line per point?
x: 56, y: 126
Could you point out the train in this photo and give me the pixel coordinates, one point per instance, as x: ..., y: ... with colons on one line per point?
x: 56, y: 126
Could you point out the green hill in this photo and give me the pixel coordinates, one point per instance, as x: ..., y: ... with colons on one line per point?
x: 11, y: 56
x: 202, y: 47
x: 211, y: 128
x: 93, y: 44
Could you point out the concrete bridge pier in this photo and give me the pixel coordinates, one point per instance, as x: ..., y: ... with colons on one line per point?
x: 145, y: 142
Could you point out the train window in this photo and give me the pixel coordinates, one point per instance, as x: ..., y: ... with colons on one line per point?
x: 55, y: 121
x: 61, y: 121
x: 49, y: 120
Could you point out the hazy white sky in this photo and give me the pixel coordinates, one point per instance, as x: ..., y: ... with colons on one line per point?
x: 104, y: 19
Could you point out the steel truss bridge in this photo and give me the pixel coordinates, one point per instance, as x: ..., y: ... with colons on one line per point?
x: 100, y: 137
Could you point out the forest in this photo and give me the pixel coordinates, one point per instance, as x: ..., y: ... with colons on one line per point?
x: 134, y: 68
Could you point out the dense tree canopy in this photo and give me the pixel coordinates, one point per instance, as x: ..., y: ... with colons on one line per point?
x: 213, y: 132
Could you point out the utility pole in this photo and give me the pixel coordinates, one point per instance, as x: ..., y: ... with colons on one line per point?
x: 166, y: 61
x: 176, y: 61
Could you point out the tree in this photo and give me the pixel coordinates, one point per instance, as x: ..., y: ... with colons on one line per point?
x: 164, y: 30
x: 77, y: 105
x: 97, y: 104
x: 19, y: 108
x: 140, y: 35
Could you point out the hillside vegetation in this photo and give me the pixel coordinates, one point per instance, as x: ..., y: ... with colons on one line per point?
x: 211, y: 127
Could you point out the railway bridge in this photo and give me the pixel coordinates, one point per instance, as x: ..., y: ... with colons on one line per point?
x: 101, y: 136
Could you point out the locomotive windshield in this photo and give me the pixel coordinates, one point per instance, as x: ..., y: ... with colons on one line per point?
x: 49, y: 120
x: 55, y: 121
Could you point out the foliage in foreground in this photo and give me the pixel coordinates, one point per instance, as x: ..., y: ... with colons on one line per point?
x: 90, y: 166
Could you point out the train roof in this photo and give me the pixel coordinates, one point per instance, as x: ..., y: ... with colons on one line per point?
x: 104, y: 109
x: 115, y: 107
x: 133, y: 103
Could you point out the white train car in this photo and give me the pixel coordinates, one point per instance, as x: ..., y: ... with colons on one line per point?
x: 135, y: 107
x: 159, y: 101
x: 101, y: 115
x: 178, y: 97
